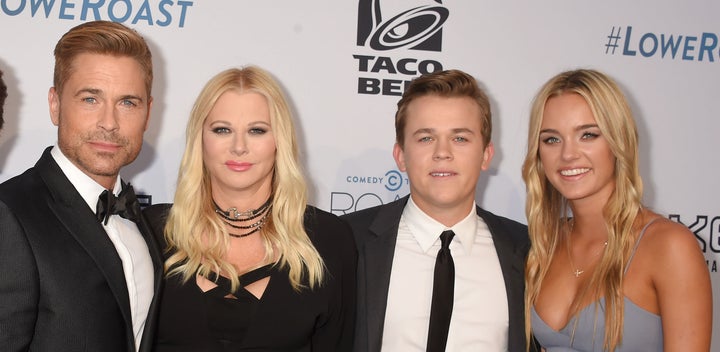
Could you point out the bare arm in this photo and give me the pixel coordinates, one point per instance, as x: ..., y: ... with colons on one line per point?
x: 684, y: 292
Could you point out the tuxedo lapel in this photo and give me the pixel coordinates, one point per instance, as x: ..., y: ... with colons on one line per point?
x: 153, y: 247
x: 379, y: 253
x: 79, y: 220
x: 146, y: 343
x: 511, y: 256
x: 512, y: 263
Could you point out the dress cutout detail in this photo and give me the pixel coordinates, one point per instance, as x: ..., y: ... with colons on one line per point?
x: 283, y: 319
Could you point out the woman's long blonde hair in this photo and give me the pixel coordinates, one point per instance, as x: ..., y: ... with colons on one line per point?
x: 547, y: 210
x: 194, y: 231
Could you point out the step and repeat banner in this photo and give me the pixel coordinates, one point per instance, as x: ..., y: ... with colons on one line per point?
x: 344, y: 65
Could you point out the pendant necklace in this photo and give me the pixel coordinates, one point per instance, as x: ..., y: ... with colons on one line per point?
x: 575, y: 270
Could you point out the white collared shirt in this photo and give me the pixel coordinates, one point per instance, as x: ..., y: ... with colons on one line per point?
x: 125, y: 236
x: 480, y: 312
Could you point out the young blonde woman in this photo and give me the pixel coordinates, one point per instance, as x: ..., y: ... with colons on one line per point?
x: 604, y: 273
x: 250, y: 266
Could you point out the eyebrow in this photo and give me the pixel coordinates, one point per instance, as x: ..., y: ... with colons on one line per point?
x: 454, y: 130
x: 96, y: 91
x: 252, y: 123
x: 579, y: 128
x: 132, y: 97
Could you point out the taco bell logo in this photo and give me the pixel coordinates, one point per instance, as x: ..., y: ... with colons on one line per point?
x: 409, y: 26
x: 418, y: 28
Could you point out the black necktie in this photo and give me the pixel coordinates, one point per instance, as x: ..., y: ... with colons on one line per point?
x: 442, y: 296
x: 125, y: 205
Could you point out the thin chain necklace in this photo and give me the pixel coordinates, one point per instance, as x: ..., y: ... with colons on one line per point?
x: 233, y: 215
x: 575, y: 270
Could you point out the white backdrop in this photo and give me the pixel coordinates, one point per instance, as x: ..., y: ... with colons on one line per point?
x: 343, y: 88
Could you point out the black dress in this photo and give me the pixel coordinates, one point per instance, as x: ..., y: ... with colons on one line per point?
x: 282, y: 319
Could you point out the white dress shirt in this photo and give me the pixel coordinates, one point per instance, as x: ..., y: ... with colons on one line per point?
x: 125, y: 236
x: 480, y: 312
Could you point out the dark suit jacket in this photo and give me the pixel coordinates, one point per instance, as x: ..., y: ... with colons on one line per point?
x: 375, y: 232
x: 62, y: 286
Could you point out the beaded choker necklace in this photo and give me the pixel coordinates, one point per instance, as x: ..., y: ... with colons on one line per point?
x: 232, y: 215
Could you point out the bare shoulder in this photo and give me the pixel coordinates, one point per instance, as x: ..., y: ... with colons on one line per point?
x: 672, y: 247
x: 665, y: 237
x: 681, y: 282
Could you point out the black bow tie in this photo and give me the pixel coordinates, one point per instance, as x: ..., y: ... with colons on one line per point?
x: 125, y: 205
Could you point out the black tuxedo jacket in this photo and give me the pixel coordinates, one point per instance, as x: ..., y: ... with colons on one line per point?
x: 375, y: 231
x: 62, y: 286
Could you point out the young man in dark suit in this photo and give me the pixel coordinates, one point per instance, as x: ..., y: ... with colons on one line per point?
x: 410, y: 250
x: 79, y: 268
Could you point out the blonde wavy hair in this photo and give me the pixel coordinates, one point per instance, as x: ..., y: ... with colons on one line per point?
x: 547, y: 210
x: 194, y: 231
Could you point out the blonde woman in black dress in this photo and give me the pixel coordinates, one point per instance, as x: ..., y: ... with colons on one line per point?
x: 250, y: 266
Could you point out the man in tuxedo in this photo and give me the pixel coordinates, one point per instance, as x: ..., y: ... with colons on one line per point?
x: 79, y: 268
x: 443, y: 128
